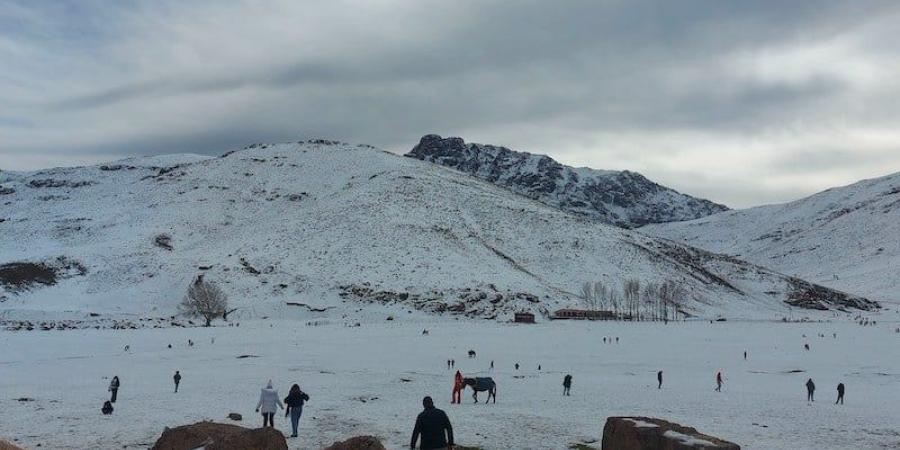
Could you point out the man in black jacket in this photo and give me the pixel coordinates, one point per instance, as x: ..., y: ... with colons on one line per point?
x: 431, y: 424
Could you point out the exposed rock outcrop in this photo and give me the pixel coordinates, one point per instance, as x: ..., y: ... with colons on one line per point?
x: 358, y: 443
x: 645, y: 433
x: 6, y: 445
x: 623, y: 198
x: 219, y: 436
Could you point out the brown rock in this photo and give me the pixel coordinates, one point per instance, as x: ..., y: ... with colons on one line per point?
x: 220, y: 436
x: 6, y: 445
x: 645, y: 433
x: 358, y: 443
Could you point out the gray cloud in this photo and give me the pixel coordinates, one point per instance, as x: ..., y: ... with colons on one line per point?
x: 742, y: 102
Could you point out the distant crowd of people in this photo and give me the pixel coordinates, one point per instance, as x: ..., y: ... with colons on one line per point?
x: 432, y: 426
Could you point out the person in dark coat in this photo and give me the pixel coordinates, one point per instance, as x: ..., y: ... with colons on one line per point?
x: 107, y: 408
x: 431, y: 424
x: 840, y: 390
x: 719, y: 381
x: 177, y: 379
x: 114, y: 388
x: 567, y: 384
x: 659, y: 378
x: 294, y: 406
x: 810, y: 390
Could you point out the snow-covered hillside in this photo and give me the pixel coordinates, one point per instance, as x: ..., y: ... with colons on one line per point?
x: 338, y: 228
x: 625, y: 198
x: 845, y: 238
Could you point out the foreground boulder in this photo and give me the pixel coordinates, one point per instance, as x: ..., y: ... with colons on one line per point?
x: 220, y: 436
x: 645, y: 433
x: 6, y: 445
x: 358, y: 443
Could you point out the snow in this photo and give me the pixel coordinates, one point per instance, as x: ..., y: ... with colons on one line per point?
x: 844, y: 238
x: 688, y: 440
x: 316, y: 217
x: 762, y: 405
x: 642, y: 424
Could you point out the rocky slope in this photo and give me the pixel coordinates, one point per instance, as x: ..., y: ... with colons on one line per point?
x: 626, y: 199
x: 845, y: 237
x: 327, y: 229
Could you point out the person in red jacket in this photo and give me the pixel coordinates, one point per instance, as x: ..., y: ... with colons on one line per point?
x: 457, y: 388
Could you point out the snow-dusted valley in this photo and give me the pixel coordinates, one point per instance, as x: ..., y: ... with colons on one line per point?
x: 845, y: 237
x: 319, y: 243
x: 337, y: 228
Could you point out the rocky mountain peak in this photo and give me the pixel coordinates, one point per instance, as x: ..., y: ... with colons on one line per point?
x: 623, y: 198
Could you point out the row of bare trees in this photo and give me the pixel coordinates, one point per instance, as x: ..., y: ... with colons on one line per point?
x: 635, y: 300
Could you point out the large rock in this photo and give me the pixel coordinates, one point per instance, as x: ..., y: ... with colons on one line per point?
x: 6, y: 445
x: 358, y: 443
x: 645, y: 433
x: 220, y: 436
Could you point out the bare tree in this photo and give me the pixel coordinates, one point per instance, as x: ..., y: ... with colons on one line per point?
x: 602, y: 294
x: 671, y: 295
x: 631, y: 293
x: 613, y: 297
x: 587, y: 294
x: 204, y: 299
x: 650, y: 296
x: 595, y: 295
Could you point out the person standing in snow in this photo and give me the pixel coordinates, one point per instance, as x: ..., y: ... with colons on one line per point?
x: 492, y: 365
x: 268, y: 404
x: 432, y: 424
x: 659, y: 379
x: 177, y: 379
x: 745, y: 355
x: 840, y: 390
x: 810, y: 390
x: 458, y: 387
x: 114, y: 388
x: 567, y: 384
x: 448, y: 364
x: 517, y: 366
x: 719, y: 381
x: 294, y: 402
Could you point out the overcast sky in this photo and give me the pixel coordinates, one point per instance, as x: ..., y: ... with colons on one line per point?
x: 740, y: 102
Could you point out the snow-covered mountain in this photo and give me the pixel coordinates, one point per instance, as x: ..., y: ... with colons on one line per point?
x: 845, y: 237
x: 340, y: 229
x: 626, y: 199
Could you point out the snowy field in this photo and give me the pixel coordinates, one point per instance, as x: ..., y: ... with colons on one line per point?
x: 355, y: 378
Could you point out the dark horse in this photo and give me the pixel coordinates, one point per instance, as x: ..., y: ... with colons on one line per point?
x: 482, y: 384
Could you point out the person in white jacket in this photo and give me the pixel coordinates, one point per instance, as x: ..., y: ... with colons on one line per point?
x: 268, y: 404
